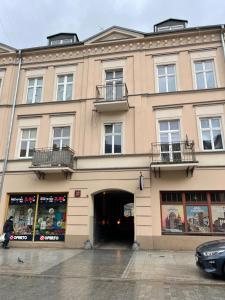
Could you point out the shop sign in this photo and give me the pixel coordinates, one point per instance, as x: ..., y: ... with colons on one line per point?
x: 21, y: 237
x: 18, y: 199
x: 52, y: 198
x: 49, y: 238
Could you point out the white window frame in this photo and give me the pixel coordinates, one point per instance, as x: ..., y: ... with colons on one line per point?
x: 211, y: 136
x: 60, y: 126
x: 104, y: 135
x: 35, y: 86
x: 28, y: 140
x: 114, y: 81
x: 166, y: 75
x: 65, y: 83
x: 204, y: 72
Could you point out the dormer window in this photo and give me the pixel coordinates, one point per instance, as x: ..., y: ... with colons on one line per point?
x: 62, y: 39
x: 170, y: 24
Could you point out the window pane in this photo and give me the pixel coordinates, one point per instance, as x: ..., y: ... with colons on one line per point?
x: 174, y: 125
x: 171, y: 84
x: 117, y: 144
x: 119, y: 91
x: 198, y: 66
x: 23, y: 149
x: 204, y: 123
x: 68, y: 92
x: 31, y: 148
x: 218, y: 144
x: 161, y: 70
x: 164, y: 137
x: 163, y: 126
x: 175, y: 137
x: 170, y: 69
x: 61, y: 79
x: 108, y: 144
x: 39, y: 81
x: 208, y: 65
x: 56, y: 144
x: 210, y: 80
x: 108, y: 128
x: 66, y: 131
x: 33, y: 133
x: 117, y: 128
x: 109, y: 91
x: 119, y: 74
x: 162, y: 84
x: 206, y: 140
x: 31, y: 82
x: 200, y: 81
x: 25, y: 133
x: 60, y: 92
x: 65, y: 143
x: 70, y: 78
x: 215, y: 123
x: 30, y: 95
x: 109, y: 75
x: 57, y: 132
x: 38, y: 94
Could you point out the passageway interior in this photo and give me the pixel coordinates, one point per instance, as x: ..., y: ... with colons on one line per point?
x: 114, y: 217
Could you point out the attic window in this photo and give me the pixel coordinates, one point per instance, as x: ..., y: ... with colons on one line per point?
x: 61, y: 42
x: 172, y: 27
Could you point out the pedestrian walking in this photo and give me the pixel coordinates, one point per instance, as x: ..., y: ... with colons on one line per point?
x: 8, y: 230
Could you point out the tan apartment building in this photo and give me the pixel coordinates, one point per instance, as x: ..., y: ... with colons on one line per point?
x: 118, y: 138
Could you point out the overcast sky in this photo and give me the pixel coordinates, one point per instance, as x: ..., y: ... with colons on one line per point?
x: 27, y: 23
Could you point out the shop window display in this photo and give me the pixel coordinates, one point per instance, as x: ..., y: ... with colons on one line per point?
x: 22, y: 208
x: 51, y: 217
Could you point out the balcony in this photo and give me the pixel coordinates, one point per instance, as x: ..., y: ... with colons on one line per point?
x: 54, y: 161
x: 111, y: 97
x: 173, y: 156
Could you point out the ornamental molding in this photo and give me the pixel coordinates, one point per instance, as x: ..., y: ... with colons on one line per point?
x: 48, y: 55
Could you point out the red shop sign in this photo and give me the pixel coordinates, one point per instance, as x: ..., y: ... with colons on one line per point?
x: 77, y: 193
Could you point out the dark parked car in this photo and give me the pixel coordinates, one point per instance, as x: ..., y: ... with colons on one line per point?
x: 210, y: 257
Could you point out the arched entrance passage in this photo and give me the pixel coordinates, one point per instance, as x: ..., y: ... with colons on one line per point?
x: 114, y: 217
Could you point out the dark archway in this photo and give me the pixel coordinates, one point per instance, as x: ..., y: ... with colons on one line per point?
x: 114, y: 217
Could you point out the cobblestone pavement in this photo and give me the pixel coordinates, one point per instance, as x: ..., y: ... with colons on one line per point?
x: 104, y: 274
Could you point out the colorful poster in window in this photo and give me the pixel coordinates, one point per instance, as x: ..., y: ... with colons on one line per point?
x: 172, y: 218
x: 198, y: 219
x: 218, y: 218
x: 22, y: 208
x: 51, y: 218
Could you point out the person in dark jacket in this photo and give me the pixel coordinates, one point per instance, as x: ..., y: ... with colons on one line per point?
x: 8, y: 230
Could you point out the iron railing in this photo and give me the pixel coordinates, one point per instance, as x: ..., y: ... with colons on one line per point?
x: 112, y: 92
x: 49, y: 157
x: 173, y: 153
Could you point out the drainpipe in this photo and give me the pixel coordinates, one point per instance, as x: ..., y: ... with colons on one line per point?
x: 222, y: 40
x: 10, y: 126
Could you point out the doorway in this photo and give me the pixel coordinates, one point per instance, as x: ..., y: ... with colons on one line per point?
x: 114, y: 218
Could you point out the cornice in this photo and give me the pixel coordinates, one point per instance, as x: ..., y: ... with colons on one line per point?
x: 169, y: 41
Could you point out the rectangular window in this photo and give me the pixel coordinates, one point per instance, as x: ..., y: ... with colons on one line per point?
x: 34, y: 90
x: 170, y: 140
x: 28, y: 141
x: 61, y: 137
x: 64, y: 87
x: 114, y: 84
x: 211, y: 133
x: 113, y: 138
x: 166, y: 78
x: 193, y: 212
x: 205, y: 74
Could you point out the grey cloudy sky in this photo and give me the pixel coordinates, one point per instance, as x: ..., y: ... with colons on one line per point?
x: 27, y: 23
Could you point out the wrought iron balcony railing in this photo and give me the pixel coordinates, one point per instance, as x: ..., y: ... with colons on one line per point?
x: 52, y: 158
x: 112, y: 92
x: 173, y: 153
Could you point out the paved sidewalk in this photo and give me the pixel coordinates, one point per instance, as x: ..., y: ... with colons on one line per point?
x: 104, y: 274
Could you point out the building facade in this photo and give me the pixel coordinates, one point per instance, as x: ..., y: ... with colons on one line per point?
x: 116, y: 138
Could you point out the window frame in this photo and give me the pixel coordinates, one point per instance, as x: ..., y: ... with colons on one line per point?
x: 166, y: 65
x: 210, y: 128
x: 35, y: 89
x: 20, y: 141
x: 204, y: 60
x: 114, y: 80
x: 52, y: 135
x: 104, y: 135
x: 64, y: 74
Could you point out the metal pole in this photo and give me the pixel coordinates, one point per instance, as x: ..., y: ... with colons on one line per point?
x: 6, y: 156
x: 222, y: 40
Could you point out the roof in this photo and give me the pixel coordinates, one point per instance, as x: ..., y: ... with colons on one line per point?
x: 171, y: 19
x: 62, y: 33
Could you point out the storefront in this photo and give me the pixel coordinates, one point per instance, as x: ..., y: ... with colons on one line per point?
x: 38, y: 217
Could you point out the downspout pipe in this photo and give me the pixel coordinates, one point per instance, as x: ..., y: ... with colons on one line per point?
x: 222, y: 40
x: 10, y: 125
